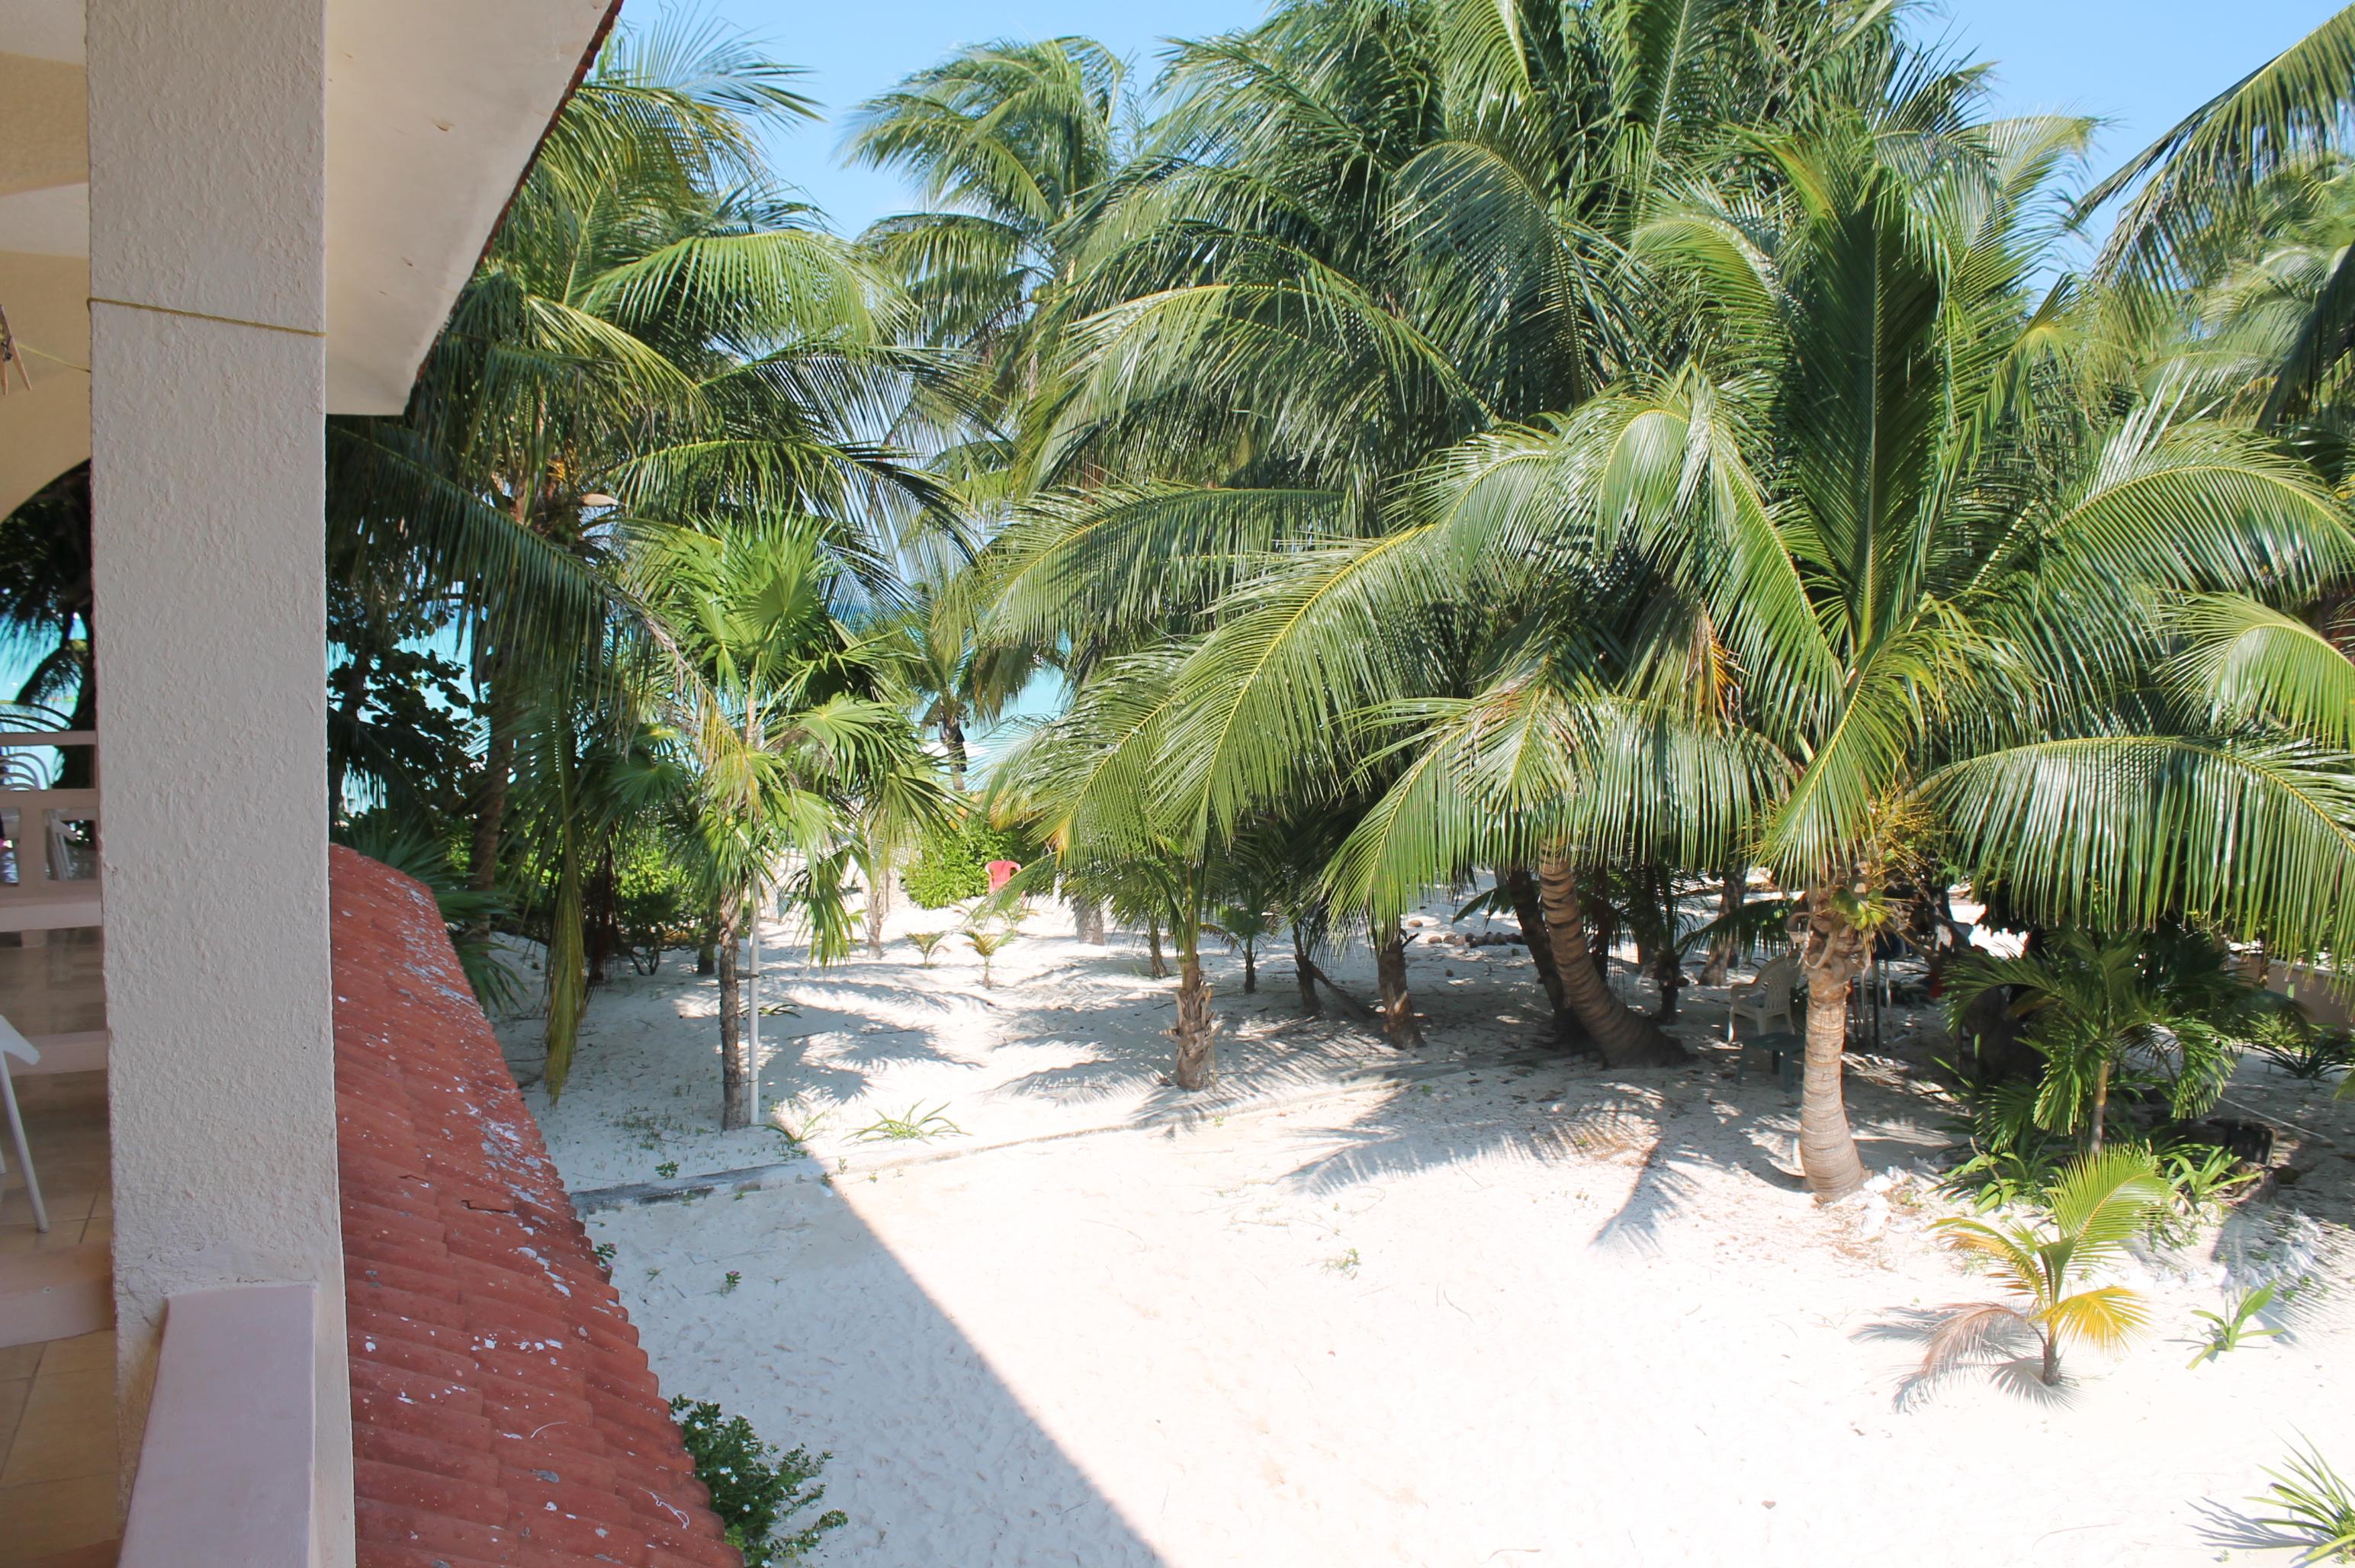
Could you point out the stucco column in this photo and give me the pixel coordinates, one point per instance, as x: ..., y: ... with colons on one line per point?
x: 207, y: 150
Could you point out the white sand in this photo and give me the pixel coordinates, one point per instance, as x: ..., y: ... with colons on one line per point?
x: 1520, y: 1314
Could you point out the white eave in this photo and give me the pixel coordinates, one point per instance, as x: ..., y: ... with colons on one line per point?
x: 434, y: 109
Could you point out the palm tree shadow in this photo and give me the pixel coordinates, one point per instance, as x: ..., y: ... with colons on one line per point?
x: 2020, y: 1376
x: 2229, y: 1530
x: 1613, y: 1116
x: 1665, y: 1186
x: 1661, y: 1192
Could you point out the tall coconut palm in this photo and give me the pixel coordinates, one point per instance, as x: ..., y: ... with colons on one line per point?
x: 2190, y: 192
x: 1364, y: 231
x: 1937, y: 577
x: 1011, y: 145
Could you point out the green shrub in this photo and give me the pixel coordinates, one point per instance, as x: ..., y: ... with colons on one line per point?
x: 2302, y: 1051
x: 952, y: 864
x: 755, y: 1489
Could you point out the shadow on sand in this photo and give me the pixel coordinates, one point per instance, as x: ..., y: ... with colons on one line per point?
x: 829, y: 1342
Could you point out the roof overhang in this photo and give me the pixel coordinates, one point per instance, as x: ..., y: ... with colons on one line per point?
x: 434, y: 109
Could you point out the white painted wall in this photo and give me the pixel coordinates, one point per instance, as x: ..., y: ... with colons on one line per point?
x: 208, y: 142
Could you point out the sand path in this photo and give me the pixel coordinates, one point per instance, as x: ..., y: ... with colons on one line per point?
x: 1501, y: 1312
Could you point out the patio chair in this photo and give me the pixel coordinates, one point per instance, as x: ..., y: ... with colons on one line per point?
x: 1765, y: 1001
x: 16, y: 1045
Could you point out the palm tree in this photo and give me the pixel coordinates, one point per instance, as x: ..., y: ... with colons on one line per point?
x: 2094, y: 1003
x: 1082, y: 783
x: 2100, y: 1203
x: 2194, y: 191
x: 1012, y: 144
x: 47, y: 606
x: 1883, y: 591
x: 592, y: 765
x: 796, y: 734
x: 1934, y: 573
x: 1363, y: 231
x: 956, y: 681
x: 656, y: 330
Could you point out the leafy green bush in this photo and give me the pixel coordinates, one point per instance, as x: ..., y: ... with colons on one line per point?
x: 952, y: 864
x: 755, y: 1489
x: 652, y: 906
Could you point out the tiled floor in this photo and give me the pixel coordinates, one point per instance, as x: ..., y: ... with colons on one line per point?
x: 65, y: 1122
x: 58, y: 1458
x: 55, y: 987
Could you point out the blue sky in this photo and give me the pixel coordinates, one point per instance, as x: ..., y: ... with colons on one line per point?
x: 2139, y: 64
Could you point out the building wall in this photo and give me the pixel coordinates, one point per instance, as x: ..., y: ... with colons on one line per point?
x: 207, y: 139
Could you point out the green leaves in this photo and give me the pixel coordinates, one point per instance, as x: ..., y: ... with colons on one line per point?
x: 2120, y: 831
x: 2253, y: 663
x: 2101, y: 1201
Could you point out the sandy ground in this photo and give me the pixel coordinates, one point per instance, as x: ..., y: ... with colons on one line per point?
x: 1477, y: 1306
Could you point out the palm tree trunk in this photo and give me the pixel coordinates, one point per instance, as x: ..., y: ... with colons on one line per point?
x: 2052, y: 1375
x: 735, y: 1049
x: 878, y: 903
x: 568, y: 996
x: 2101, y: 1103
x: 1624, y: 1037
x: 603, y: 917
x: 1088, y: 921
x: 1303, y: 971
x: 952, y: 742
x: 1834, y: 957
x: 1197, y: 1046
x: 1398, y: 1003
x: 1159, y: 967
x: 1250, y: 966
x: 1731, y: 891
x: 1522, y: 888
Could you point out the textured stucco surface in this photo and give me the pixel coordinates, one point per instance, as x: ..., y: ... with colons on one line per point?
x: 208, y: 136
x: 208, y: 152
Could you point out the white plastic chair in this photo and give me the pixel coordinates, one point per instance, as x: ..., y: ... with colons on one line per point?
x: 1766, y: 998
x: 16, y: 1045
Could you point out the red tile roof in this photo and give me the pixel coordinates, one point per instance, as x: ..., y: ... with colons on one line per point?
x: 502, y: 1411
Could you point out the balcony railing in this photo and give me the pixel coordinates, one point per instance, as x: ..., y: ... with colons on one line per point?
x: 48, y: 872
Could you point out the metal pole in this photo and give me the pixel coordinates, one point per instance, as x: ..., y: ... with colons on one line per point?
x: 752, y: 990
